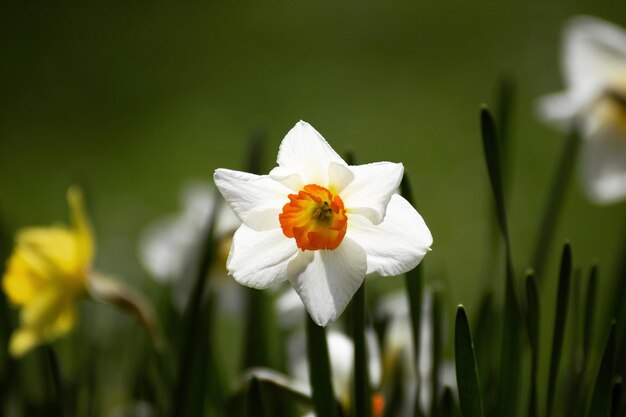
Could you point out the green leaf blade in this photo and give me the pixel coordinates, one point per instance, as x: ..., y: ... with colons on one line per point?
x: 466, y: 371
x: 559, y: 323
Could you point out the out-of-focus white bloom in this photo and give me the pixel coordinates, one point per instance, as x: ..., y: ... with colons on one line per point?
x: 170, y: 247
x: 594, y: 67
x: 321, y: 224
x: 341, y: 357
x: 400, y: 355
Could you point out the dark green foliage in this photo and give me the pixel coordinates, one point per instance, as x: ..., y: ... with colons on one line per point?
x: 559, y: 324
x: 466, y: 371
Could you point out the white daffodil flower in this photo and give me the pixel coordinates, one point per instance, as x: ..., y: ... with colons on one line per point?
x: 594, y: 67
x: 170, y: 247
x: 320, y: 223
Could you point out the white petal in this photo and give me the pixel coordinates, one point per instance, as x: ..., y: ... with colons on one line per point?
x: 256, y: 199
x: 339, y: 177
x: 373, y: 185
x: 397, y: 244
x: 306, y: 152
x: 604, y: 167
x: 289, y: 179
x: 330, y: 280
x: 341, y: 357
x: 260, y: 259
x: 594, y: 57
x: 559, y: 109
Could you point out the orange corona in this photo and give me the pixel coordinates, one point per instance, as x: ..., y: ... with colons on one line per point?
x: 315, y: 218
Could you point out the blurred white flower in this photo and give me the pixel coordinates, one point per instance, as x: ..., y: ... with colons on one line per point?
x: 321, y: 224
x: 170, y: 247
x: 400, y: 355
x: 341, y: 357
x: 594, y: 67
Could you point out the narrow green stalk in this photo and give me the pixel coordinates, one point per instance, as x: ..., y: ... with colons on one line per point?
x: 258, y: 314
x: 590, y: 308
x: 533, y: 318
x: 323, y: 395
x: 192, y: 321
x: 559, y: 324
x: 362, y: 395
x: 57, y: 381
x: 554, y: 203
x: 511, y: 355
x: 414, y: 283
x: 601, y: 398
x: 470, y: 398
x: 437, y: 359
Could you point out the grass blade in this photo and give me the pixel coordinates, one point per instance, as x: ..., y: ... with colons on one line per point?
x: 510, y: 359
x: 414, y: 283
x: 319, y: 370
x: 448, y: 407
x: 466, y: 371
x: 562, y: 300
x: 492, y: 156
x: 438, y: 349
x: 590, y: 308
x: 554, y: 202
x: 533, y: 319
x: 361, y: 386
x: 601, y: 398
x: 259, y: 315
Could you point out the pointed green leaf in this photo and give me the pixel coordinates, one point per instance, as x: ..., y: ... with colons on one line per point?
x: 554, y: 202
x: 448, y: 407
x: 532, y: 296
x: 590, y: 308
x: 510, y: 358
x: 259, y: 328
x: 601, y: 398
x: 361, y: 386
x: 319, y: 370
x: 466, y: 371
x: 437, y: 349
x: 560, y: 319
x: 506, y: 92
x: 415, y: 290
x: 491, y: 149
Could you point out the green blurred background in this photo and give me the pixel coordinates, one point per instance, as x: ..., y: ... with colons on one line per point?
x: 131, y: 99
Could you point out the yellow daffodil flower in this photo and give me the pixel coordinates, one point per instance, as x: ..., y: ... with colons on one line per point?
x: 46, y: 274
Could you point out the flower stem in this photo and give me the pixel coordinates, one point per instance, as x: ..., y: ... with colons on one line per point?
x: 192, y: 320
x: 57, y: 381
x: 362, y: 396
x: 322, y: 393
x: 554, y: 203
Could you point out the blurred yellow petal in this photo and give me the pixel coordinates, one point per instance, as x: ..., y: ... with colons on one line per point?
x: 64, y: 322
x: 47, y: 275
x: 82, y: 229
x: 23, y: 340
x: 20, y: 283
x: 51, y: 251
x: 44, y: 308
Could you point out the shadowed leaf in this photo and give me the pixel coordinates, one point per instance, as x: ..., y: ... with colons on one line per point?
x: 466, y: 371
x: 415, y: 289
x: 510, y: 359
x: 559, y: 324
x: 319, y: 370
x: 533, y: 317
x: 601, y: 398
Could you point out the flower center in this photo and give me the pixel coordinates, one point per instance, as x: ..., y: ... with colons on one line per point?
x: 610, y: 108
x: 315, y: 218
